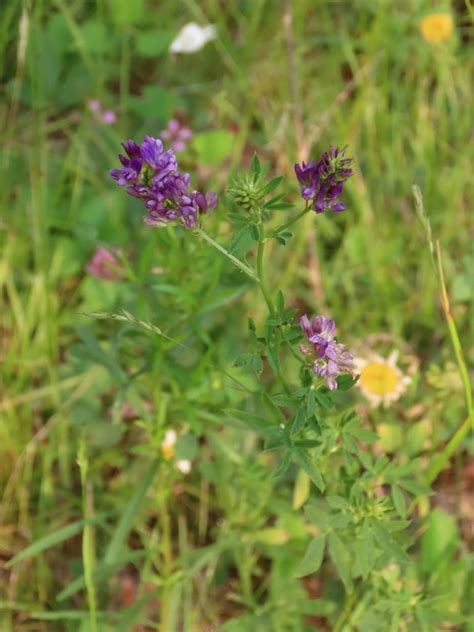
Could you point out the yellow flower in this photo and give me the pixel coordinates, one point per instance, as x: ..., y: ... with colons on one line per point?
x: 381, y: 381
x: 437, y: 27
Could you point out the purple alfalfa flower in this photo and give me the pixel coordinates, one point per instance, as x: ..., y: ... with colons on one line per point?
x: 329, y: 357
x: 105, y: 265
x: 108, y: 117
x: 132, y: 165
x: 152, y: 174
x: 321, y: 183
x: 177, y: 134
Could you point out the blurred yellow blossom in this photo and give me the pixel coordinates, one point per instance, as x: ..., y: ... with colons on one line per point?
x: 437, y: 27
x: 167, y: 445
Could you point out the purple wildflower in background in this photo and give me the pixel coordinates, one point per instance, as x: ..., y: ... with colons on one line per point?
x: 177, y: 134
x: 105, y: 265
x: 321, y: 182
x: 152, y: 174
x: 106, y: 116
x: 330, y: 357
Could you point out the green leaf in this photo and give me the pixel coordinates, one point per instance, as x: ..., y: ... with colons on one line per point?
x: 317, y: 513
x: 153, y: 43
x: 367, y: 548
x: 129, y: 514
x: 255, y: 167
x: 255, y: 422
x: 439, y: 541
x: 304, y: 461
x: 388, y: 544
x: 341, y: 559
x: 298, y: 422
x: 399, y: 501
x: 284, y: 464
x: 242, y: 241
x: 214, y: 146
x: 302, y: 489
x: 337, y: 502
x: 317, y: 607
x: 95, y: 36
x: 53, y: 539
x: 273, y: 359
x: 363, y: 434
x: 345, y: 382
x: 312, y: 558
x: 417, y: 489
x: 280, y: 302
x: 97, y: 353
x: 311, y: 403
x: 254, y: 232
x: 155, y: 102
x: 323, y: 400
x: 272, y: 185
x: 101, y: 573
x: 125, y: 12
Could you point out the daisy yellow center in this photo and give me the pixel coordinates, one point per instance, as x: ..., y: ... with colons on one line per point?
x: 167, y: 450
x: 437, y: 27
x: 379, y: 378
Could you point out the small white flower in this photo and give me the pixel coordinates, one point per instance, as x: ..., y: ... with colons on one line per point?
x: 168, y: 452
x: 192, y: 38
x: 167, y: 445
x: 184, y: 466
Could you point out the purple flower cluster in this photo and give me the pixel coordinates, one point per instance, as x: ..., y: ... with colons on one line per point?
x: 330, y: 357
x: 105, y: 265
x: 177, y: 134
x: 321, y: 183
x: 151, y: 174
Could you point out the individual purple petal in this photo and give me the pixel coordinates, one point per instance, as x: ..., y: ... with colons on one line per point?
x: 131, y: 148
x: 151, y: 150
x: 211, y: 199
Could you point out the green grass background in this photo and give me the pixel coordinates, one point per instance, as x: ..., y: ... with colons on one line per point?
x: 356, y: 73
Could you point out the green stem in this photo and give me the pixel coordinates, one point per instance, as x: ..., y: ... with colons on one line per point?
x: 261, y: 271
x: 167, y: 560
x: 282, y: 227
x: 294, y: 353
x: 88, y: 556
x: 442, y: 459
x: 345, y: 614
x: 453, y: 332
x: 268, y: 299
x: 239, y: 264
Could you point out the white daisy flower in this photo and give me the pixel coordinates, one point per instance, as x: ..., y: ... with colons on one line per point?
x: 167, y: 445
x: 381, y: 381
x: 192, y: 38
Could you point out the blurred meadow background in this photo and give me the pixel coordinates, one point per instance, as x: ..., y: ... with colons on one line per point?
x: 129, y: 484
